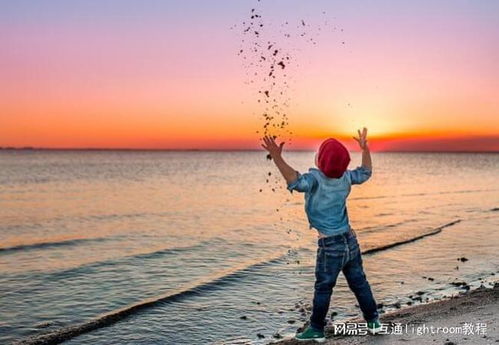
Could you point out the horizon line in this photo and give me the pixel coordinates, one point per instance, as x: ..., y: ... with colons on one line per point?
x: 30, y: 148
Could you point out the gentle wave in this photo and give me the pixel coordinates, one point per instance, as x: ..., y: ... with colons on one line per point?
x: 49, y: 245
x: 413, y: 239
x: 423, y: 194
x: 225, y: 277
x: 87, y: 218
x: 369, y: 229
x: 85, y: 268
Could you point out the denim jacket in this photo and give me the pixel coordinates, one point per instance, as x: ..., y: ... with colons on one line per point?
x: 325, y: 198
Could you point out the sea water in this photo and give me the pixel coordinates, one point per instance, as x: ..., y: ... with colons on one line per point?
x: 223, y: 255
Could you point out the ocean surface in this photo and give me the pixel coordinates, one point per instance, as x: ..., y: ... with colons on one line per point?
x: 210, y: 248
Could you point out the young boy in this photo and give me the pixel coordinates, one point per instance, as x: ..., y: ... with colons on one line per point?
x: 326, y: 190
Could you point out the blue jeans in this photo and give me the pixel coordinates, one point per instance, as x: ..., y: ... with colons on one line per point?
x: 335, y: 254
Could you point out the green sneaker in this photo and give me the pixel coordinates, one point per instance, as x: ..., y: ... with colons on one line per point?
x: 374, y: 326
x: 311, y: 334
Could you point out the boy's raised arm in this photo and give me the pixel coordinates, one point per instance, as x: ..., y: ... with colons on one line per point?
x: 366, y: 159
x: 366, y: 154
x: 275, y: 151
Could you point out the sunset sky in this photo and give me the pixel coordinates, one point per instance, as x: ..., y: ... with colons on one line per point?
x: 421, y: 75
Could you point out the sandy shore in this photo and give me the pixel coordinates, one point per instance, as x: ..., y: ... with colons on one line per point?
x: 474, y: 312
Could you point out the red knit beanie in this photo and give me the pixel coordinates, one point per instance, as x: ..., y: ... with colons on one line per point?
x: 333, y: 158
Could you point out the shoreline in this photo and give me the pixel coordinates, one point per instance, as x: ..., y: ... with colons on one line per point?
x: 454, y: 316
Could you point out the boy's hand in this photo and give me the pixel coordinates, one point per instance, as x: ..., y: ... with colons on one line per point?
x: 270, y: 145
x: 362, y: 139
x: 275, y: 151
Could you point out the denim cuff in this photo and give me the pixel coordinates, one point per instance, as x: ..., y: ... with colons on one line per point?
x: 292, y: 185
x: 364, y: 169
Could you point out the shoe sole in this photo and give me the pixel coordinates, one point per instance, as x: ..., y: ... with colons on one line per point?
x: 319, y: 340
x: 374, y: 331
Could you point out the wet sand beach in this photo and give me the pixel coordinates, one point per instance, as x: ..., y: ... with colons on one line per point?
x: 471, y: 316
